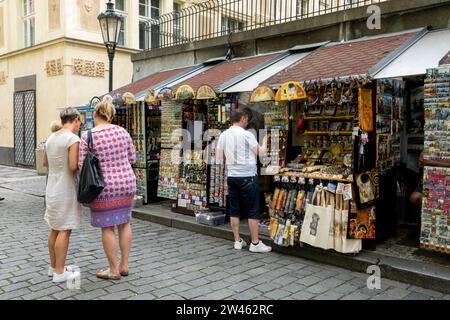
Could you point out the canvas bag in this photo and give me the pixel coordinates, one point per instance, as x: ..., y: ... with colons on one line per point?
x: 318, y: 217
x: 341, y: 243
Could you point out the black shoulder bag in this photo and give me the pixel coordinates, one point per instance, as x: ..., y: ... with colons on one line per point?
x: 91, y: 178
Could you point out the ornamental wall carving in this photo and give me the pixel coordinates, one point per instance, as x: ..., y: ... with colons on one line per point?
x: 88, y: 68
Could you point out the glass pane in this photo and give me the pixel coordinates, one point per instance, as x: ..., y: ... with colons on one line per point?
x: 142, y: 10
x: 104, y: 28
x: 32, y: 33
x: 155, y: 13
x: 155, y: 3
x: 141, y: 35
x: 25, y: 32
x: 120, y: 5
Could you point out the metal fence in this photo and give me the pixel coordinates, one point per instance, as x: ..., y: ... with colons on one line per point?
x: 214, y: 18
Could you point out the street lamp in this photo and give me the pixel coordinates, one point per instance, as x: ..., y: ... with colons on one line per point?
x: 110, y: 24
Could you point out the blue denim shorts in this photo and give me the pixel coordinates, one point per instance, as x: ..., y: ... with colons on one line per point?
x: 243, y: 196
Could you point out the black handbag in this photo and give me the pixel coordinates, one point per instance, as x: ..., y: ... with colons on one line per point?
x: 91, y: 178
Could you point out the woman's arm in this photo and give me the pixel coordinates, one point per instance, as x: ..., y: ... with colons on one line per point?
x: 45, y: 159
x: 73, y: 156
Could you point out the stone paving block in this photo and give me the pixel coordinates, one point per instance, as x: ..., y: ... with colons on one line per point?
x: 249, y: 294
x: 41, y: 293
x: 16, y: 286
x: 392, y: 283
x: 277, y: 294
x: 325, y: 274
x: 329, y: 295
x: 355, y: 296
x: 331, y: 283
x: 196, y: 292
x: 302, y: 295
x: 220, y: 294
x: 63, y: 295
x: 14, y: 294
x: 237, y: 278
x: 147, y: 288
x: 242, y: 286
x: 145, y: 296
x: 118, y: 295
x: 317, y: 289
x: 116, y: 287
x: 345, y: 289
x: 268, y: 286
x: 309, y: 280
x: 427, y: 292
x: 294, y: 287
x: 397, y: 293
x: 446, y: 297
x: 164, y: 283
x: 171, y: 297
x: 198, y: 282
x: 285, y: 280
x: 180, y: 287
x: 417, y: 296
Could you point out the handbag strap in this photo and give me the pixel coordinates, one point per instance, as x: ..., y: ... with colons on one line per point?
x: 89, y: 140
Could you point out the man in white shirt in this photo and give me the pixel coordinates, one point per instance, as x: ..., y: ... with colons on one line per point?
x: 240, y: 149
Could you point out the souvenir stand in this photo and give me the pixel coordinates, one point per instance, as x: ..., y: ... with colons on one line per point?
x: 435, y: 230
x: 323, y: 196
x: 202, y: 183
x: 142, y: 121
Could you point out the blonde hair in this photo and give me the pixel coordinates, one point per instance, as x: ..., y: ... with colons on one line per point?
x: 69, y: 114
x: 105, y: 110
x: 55, y: 126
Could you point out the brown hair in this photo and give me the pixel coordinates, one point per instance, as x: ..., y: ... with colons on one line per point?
x: 237, y: 115
x: 55, y: 126
x: 68, y: 115
x: 105, y: 110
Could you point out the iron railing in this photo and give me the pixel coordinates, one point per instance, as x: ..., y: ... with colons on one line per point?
x: 214, y: 18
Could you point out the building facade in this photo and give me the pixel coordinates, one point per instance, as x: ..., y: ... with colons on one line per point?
x: 52, y: 55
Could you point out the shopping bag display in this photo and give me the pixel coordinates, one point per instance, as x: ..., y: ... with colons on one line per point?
x: 318, y: 217
x: 341, y: 243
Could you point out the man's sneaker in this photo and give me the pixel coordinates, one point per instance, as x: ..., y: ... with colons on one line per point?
x: 238, y: 245
x: 64, y: 277
x: 260, y: 247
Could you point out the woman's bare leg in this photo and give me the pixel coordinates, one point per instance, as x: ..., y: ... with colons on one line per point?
x: 53, y: 234
x: 125, y: 237
x: 110, y: 247
x: 61, y: 247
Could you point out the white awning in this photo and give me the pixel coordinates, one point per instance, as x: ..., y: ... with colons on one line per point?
x: 251, y: 83
x: 141, y: 96
x: 424, y: 54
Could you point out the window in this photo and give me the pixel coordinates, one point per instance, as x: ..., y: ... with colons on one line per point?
x: 121, y: 7
x: 231, y: 25
x: 149, y: 8
x: 29, y: 23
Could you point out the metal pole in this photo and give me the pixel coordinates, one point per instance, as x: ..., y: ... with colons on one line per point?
x: 111, y: 58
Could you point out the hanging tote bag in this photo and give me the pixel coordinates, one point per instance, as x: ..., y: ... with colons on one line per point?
x: 91, y: 178
x: 316, y: 225
x: 341, y: 243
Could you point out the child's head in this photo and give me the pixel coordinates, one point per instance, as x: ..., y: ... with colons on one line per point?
x: 55, y: 126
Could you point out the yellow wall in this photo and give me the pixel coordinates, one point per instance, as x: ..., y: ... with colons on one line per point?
x: 53, y: 92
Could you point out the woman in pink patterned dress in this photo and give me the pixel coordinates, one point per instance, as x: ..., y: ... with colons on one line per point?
x: 114, y: 148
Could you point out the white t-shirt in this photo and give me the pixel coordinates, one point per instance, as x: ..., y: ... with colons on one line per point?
x: 237, y: 144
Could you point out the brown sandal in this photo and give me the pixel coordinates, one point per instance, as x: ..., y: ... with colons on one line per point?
x: 106, y: 275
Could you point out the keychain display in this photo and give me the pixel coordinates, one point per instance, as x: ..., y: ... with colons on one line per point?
x: 171, y: 120
x: 168, y: 176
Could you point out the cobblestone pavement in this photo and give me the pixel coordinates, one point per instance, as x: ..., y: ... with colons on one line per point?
x: 168, y: 263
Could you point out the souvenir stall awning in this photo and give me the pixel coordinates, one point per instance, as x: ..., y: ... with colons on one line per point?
x: 140, y: 87
x: 174, y: 81
x: 352, y: 58
x: 223, y: 72
x: 422, y: 55
x: 250, y: 83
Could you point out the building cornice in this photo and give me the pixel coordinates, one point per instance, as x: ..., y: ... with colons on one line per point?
x: 64, y: 40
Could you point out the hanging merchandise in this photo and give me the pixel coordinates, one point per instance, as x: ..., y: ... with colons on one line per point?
x: 184, y: 92
x: 318, y: 221
x: 165, y: 93
x: 262, y: 94
x: 365, y: 110
x: 341, y: 243
x: 435, y: 230
x: 171, y: 113
x: 205, y: 92
x: 367, y: 187
x: 361, y: 222
x: 290, y: 91
x: 168, y: 175
x: 129, y: 98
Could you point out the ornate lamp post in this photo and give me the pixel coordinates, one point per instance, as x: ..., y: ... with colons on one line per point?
x: 110, y: 24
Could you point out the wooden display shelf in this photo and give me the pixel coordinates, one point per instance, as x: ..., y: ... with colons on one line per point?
x: 328, y: 133
x: 335, y: 118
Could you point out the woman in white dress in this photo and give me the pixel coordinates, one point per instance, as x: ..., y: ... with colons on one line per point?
x: 63, y: 212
